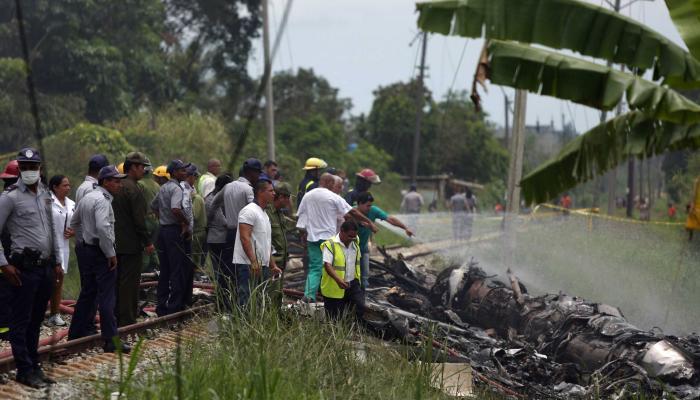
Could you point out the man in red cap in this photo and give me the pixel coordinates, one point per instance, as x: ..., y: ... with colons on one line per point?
x: 363, y: 182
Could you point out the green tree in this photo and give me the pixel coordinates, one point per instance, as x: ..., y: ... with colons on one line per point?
x: 57, y: 112
x: 107, y: 52
x: 303, y: 94
x: 209, y: 50
x: 463, y: 142
x: 391, y: 123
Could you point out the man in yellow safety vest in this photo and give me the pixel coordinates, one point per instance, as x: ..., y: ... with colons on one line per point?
x: 340, y: 280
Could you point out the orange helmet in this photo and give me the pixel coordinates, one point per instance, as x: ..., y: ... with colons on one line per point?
x: 11, y: 170
x: 369, y: 175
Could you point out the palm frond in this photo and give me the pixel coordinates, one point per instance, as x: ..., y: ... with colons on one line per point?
x: 563, y: 24
x: 569, y: 78
x: 604, y: 147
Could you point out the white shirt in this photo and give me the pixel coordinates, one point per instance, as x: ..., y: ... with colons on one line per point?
x: 61, y: 221
x: 319, y: 212
x: 350, y: 258
x: 255, y: 216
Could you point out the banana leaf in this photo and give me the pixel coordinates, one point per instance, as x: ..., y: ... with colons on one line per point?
x: 686, y: 16
x: 570, y: 78
x: 604, y: 147
x: 582, y: 27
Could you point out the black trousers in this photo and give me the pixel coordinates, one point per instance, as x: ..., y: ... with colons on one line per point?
x: 97, y: 285
x: 353, y: 300
x: 27, y: 305
x: 173, y: 287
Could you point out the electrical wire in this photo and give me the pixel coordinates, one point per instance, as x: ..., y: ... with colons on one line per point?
x: 459, y: 65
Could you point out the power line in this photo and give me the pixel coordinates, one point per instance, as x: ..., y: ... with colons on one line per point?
x: 459, y: 65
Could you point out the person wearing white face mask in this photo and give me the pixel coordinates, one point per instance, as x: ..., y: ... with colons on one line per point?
x: 30, y: 273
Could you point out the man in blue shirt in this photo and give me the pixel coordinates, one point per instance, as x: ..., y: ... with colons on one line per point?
x: 365, y: 206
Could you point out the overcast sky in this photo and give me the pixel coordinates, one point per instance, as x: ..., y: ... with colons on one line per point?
x: 359, y: 45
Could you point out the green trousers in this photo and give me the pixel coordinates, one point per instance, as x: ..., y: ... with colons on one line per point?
x: 128, y: 279
x: 313, y: 276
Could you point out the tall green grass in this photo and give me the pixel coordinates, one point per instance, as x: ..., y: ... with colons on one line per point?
x: 258, y: 355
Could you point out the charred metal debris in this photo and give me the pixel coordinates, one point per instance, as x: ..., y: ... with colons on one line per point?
x: 528, y: 346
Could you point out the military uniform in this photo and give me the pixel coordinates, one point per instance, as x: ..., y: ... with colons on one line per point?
x: 131, y: 239
x: 150, y: 191
x: 28, y: 218
x: 93, y: 223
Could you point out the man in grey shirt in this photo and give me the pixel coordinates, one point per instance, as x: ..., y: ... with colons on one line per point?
x: 96, y: 163
x: 232, y: 198
x: 172, y: 237
x: 29, y: 274
x: 94, y: 219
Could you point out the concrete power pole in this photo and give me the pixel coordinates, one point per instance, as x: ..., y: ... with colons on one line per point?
x: 517, y: 148
x: 419, y: 110
x: 269, y: 102
x: 507, y: 120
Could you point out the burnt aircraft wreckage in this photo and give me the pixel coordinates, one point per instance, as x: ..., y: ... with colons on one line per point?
x: 545, y: 346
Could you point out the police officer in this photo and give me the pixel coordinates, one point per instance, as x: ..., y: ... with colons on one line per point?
x: 30, y: 272
x: 96, y: 163
x: 93, y: 222
x: 174, y: 232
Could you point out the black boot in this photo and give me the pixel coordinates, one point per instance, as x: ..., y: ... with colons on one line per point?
x: 109, y: 347
x: 32, y: 380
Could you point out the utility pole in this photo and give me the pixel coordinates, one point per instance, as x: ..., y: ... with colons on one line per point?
x: 507, y: 121
x: 269, y: 103
x: 419, y: 109
x: 517, y: 148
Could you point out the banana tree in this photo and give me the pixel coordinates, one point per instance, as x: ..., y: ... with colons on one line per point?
x: 592, y: 31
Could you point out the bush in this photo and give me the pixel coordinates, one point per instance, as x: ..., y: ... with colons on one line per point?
x: 173, y: 133
x: 68, y: 152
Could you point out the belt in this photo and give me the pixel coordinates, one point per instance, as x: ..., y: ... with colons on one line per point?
x: 21, y: 261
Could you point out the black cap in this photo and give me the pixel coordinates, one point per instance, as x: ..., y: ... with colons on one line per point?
x: 110, y: 171
x: 97, y: 162
x: 177, y: 164
x: 265, y: 177
x: 28, y: 154
x: 252, y: 164
x: 192, y: 170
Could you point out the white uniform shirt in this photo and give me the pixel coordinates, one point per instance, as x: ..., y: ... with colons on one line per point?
x: 61, y: 221
x: 350, y: 258
x: 256, y: 217
x: 319, y: 212
x: 88, y: 185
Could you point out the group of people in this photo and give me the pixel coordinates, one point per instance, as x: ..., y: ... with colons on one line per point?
x: 119, y: 221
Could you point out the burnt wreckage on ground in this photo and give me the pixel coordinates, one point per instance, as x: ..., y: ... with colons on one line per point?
x: 529, y: 346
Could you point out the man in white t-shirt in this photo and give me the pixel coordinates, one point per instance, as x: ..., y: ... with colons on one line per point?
x: 252, y: 254
x: 318, y: 217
